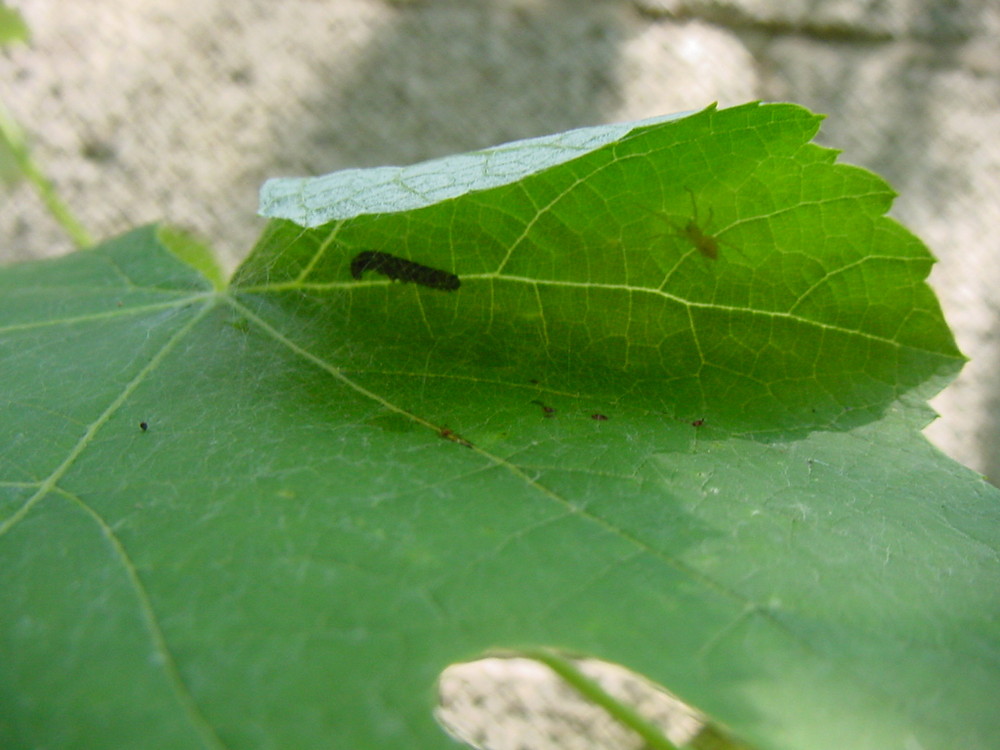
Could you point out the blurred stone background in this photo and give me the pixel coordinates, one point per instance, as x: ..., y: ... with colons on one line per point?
x: 179, y: 109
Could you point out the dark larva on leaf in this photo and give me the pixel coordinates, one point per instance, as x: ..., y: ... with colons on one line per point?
x: 400, y: 269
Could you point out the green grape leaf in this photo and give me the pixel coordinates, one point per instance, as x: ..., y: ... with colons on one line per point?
x: 701, y: 267
x: 669, y: 418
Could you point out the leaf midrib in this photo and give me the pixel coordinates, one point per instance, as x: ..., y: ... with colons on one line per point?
x: 625, y: 288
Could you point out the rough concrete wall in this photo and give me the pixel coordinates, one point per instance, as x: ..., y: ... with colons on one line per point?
x: 179, y: 109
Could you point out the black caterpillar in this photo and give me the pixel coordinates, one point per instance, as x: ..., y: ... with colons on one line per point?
x: 403, y: 270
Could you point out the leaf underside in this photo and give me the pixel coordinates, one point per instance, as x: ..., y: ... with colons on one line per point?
x: 605, y: 441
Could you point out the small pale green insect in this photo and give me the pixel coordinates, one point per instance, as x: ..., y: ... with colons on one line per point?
x: 705, y: 243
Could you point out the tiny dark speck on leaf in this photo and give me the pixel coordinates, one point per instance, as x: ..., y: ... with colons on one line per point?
x: 599, y: 417
x: 548, y: 411
x: 698, y: 423
x: 454, y: 437
x: 143, y: 426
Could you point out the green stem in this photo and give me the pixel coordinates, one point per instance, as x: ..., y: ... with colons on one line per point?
x: 11, y: 133
x: 624, y: 715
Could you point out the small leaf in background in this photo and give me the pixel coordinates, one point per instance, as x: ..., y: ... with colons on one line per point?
x: 348, y: 484
x: 16, y: 162
x: 12, y: 149
x: 12, y: 26
x: 13, y: 29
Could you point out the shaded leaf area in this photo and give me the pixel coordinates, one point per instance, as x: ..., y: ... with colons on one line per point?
x: 719, y: 267
x: 345, y: 485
